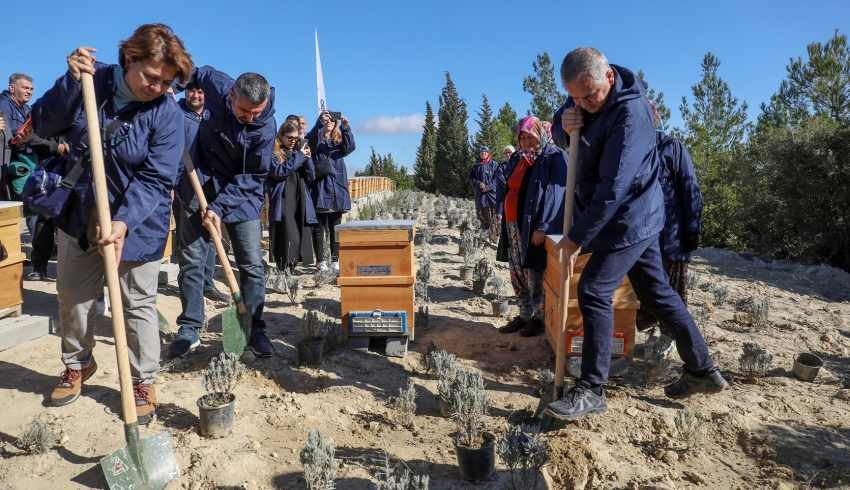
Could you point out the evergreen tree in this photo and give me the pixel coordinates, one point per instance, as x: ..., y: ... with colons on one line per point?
x: 424, y: 166
x: 657, y: 98
x: 505, y: 129
x: 543, y: 88
x: 486, y: 136
x: 385, y: 166
x: 715, y: 126
x: 816, y: 87
x: 452, y: 156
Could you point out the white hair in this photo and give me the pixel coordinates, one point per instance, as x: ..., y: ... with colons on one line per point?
x: 584, y: 63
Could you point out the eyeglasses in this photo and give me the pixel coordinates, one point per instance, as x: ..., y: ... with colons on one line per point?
x: 290, y: 138
x: 149, y: 80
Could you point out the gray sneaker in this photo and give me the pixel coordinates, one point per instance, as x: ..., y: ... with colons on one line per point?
x: 576, y: 403
x: 690, y: 384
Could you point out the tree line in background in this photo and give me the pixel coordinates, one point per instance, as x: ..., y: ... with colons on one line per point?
x: 779, y: 187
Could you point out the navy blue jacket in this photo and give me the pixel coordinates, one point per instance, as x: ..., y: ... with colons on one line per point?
x: 682, y: 200
x: 331, y: 191
x: 14, y: 114
x: 484, y: 173
x: 541, y: 203
x: 235, y: 157
x: 280, y: 171
x: 191, y: 123
x: 141, y: 160
x: 618, y: 197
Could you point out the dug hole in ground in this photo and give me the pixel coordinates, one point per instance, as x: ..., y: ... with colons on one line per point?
x: 776, y: 432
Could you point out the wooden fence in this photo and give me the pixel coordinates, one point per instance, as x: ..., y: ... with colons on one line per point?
x: 363, y: 186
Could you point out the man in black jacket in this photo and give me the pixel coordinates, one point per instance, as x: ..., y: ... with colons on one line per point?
x: 26, y: 149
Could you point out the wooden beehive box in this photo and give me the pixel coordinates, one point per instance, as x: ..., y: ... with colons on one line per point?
x: 376, y: 268
x: 625, y: 304
x: 12, y: 263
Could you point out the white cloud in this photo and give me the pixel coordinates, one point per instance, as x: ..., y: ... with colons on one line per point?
x: 411, y: 123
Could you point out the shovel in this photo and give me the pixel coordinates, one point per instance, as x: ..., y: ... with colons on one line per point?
x: 235, y: 322
x: 144, y: 463
x: 566, y: 268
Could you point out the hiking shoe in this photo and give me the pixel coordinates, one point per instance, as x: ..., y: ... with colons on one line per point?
x: 213, y: 294
x: 691, y: 384
x: 145, y: 396
x: 576, y: 403
x: 533, y: 328
x: 36, y: 275
x: 260, y: 344
x: 513, y: 326
x: 186, y: 340
x: 70, y: 385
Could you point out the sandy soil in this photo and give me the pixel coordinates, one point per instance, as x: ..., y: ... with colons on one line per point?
x: 778, y: 433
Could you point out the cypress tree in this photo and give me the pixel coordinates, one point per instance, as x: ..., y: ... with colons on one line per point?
x: 423, y: 168
x: 452, y: 156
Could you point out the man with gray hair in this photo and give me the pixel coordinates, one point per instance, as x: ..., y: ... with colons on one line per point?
x: 233, y: 154
x: 619, y: 214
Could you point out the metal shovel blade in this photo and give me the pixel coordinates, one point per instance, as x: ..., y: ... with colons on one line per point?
x: 235, y: 331
x: 153, y: 466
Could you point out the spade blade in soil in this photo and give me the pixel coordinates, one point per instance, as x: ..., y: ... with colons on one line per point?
x: 150, y: 465
x: 235, y: 329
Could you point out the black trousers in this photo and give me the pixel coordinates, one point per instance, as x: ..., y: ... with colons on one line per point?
x: 327, y: 222
x: 43, y: 232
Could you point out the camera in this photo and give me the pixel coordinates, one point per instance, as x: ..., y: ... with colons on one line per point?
x: 337, y: 116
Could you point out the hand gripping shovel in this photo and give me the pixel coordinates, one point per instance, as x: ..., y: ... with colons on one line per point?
x: 145, y: 463
x: 235, y: 322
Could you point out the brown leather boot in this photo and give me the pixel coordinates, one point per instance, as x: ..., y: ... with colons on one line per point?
x: 145, y: 402
x: 70, y: 385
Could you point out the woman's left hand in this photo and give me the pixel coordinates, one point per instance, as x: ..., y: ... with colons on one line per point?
x: 537, y: 238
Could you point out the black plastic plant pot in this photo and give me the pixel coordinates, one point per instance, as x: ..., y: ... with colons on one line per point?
x: 477, y: 464
x: 311, y: 351
x: 216, y: 420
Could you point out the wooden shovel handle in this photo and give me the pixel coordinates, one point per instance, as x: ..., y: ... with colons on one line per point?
x: 213, y: 231
x: 110, y: 265
x: 566, y: 265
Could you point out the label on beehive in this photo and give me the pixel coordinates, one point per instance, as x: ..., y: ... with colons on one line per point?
x: 618, y: 347
x: 374, y: 270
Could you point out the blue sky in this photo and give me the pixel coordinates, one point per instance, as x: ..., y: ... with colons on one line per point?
x: 385, y: 59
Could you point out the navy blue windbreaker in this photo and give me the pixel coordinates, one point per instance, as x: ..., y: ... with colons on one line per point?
x: 141, y: 160
x: 618, y: 198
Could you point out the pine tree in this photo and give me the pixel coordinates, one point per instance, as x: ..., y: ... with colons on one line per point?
x: 715, y: 126
x: 657, y: 98
x: 505, y: 128
x: 452, y: 156
x: 818, y: 86
x: 424, y: 166
x: 543, y: 88
x: 486, y: 135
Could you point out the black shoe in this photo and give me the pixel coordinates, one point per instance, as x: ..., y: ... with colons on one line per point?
x: 214, y: 294
x: 513, y: 326
x: 260, y: 344
x: 186, y: 340
x: 533, y: 328
x: 576, y: 403
x: 36, y: 275
x: 690, y: 384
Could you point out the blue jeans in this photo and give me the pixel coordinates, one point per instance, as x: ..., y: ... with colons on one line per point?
x: 195, y: 248
x: 182, y: 218
x: 245, y: 238
x: 602, y: 275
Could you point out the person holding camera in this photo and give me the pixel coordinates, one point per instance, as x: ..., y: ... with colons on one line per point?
x: 330, y: 141
x: 291, y: 211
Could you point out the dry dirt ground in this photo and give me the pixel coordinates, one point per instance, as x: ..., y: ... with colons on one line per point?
x: 779, y: 433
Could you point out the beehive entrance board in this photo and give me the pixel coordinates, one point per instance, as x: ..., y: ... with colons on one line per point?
x: 625, y: 304
x: 376, y: 269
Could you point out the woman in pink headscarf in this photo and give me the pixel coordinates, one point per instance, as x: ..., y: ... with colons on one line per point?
x: 532, y: 185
